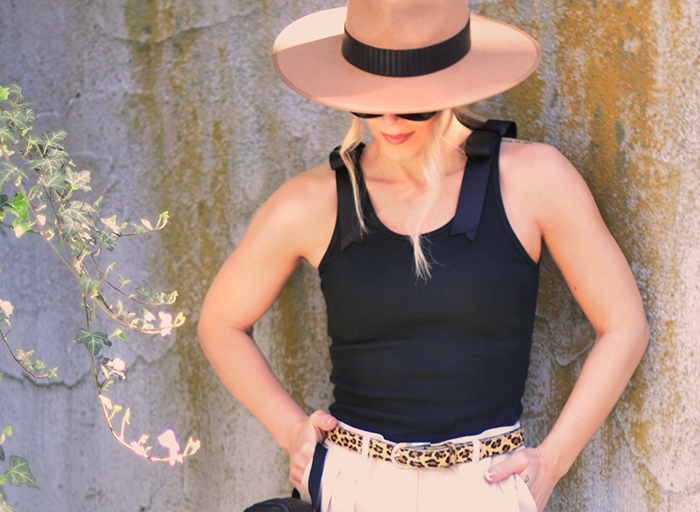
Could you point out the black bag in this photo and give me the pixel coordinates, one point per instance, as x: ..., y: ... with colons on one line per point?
x: 281, y: 505
x: 295, y: 504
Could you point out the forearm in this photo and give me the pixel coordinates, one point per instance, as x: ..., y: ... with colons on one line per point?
x: 245, y: 372
x: 606, y: 372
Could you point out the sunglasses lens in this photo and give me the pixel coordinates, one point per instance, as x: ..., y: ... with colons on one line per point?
x: 366, y: 116
x: 421, y: 116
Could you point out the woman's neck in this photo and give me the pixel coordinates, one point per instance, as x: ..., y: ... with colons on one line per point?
x: 394, y: 166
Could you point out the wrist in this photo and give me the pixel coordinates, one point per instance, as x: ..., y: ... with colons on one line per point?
x: 287, y: 435
x: 555, y: 458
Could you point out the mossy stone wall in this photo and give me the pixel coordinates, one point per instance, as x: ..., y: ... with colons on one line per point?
x: 174, y: 106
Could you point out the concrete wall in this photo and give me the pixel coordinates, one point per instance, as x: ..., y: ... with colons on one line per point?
x: 174, y: 106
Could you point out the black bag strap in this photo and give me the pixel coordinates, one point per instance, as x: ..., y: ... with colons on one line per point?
x: 482, y: 150
x: 316, y: 474
x: 350, y: 230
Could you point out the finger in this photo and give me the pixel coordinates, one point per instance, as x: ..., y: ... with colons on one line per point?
x: 297, y: 468
x: 513, y: 464
x: 299, y: 463
x: 322, y: 420
x: 296, y: 481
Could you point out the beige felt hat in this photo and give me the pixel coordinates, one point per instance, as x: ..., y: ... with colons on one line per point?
x: 402, y: 56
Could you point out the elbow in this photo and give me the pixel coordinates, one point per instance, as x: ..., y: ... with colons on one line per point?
x: 202, y: 330
x: 639, y: 334
x: 218, y: 331
x: 205, y: 328
x: 631, y: 335
x: 644, y: 335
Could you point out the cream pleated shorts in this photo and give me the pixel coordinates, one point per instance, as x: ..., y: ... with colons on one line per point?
x: 353, y: 482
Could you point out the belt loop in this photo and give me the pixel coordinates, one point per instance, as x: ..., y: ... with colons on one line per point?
x: 365, y: 447
x: 451, y: 455
x: 476, y: 454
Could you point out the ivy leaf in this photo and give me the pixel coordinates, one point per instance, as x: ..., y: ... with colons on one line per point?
x: 16, y: 90
x: 89, y: 286
x: 51, y: 373
x: 50, y: 164
x: 25, y: 358
x: 4, y: 93
x: 108, y: 240
x: 6, y: 507
x: 123, y: 281
x: 33, y: 142
x: 19, y: 117
x: 10, y: 172
x: 93, y: 341
x: 76, y: 217
x: 49, y: 139
x: 6, y: 133
x: 79, y: 180
x: 7, y: 308
x: 56, y: 181
x: 4, y: 202
x: 138, y: 230
x: 162, y: 220
x: 20, y: 206
x: 20, y: 474
x: 150, y: 294
x: 111, y: 223
x: 20, y: 228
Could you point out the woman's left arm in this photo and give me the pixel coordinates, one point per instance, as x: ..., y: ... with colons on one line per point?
x: 563, y: 210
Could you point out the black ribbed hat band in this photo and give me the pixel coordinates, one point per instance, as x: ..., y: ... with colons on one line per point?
x: 403, y: 63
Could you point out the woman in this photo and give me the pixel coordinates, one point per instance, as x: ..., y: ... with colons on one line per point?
x: 431, y: 325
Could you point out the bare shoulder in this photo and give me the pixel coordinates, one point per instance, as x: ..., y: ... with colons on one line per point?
x: 541, y: 176
x: 535, y: 161
x: 555, y: 196
x: 301, y: 213
x: 285, y: 229
x: 307, y: 194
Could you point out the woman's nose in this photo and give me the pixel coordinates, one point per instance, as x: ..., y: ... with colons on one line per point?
x: 390, y: 119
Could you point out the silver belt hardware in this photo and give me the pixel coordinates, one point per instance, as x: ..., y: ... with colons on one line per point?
x: 424, y: 447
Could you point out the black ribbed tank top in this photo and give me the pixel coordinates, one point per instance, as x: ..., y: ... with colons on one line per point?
x: 431, y: 360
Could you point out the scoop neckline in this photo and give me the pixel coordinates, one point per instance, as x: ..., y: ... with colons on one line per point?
x: 382, y: 227
x: 372, y: 213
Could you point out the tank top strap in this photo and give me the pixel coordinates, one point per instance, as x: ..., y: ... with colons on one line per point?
x: 482, y: 149
x: 350, y: 230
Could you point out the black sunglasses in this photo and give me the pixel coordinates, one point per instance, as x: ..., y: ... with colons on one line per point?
x: 422, y: 116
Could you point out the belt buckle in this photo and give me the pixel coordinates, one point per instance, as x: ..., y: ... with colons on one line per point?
x: 451, y: 451
x: 426, y: 447
x: 401, y: 446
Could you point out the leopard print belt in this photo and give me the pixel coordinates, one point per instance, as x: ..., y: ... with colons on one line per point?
x: 426, y: 455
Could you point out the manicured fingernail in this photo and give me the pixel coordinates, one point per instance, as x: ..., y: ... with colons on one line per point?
x: 490, y: 475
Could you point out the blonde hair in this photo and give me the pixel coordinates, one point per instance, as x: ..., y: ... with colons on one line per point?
x: 433, y: 171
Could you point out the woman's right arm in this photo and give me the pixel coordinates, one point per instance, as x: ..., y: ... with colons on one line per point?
x: 297, y: 221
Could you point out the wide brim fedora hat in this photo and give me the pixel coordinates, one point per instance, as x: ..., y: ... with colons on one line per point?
x: 400, y: 56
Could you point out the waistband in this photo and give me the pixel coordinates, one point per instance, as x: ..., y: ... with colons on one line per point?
x: 427, y: 455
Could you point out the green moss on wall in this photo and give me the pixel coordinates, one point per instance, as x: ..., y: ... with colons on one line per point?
x: 605, y: 65
x: 188, y: 159
x: 299, y: 345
